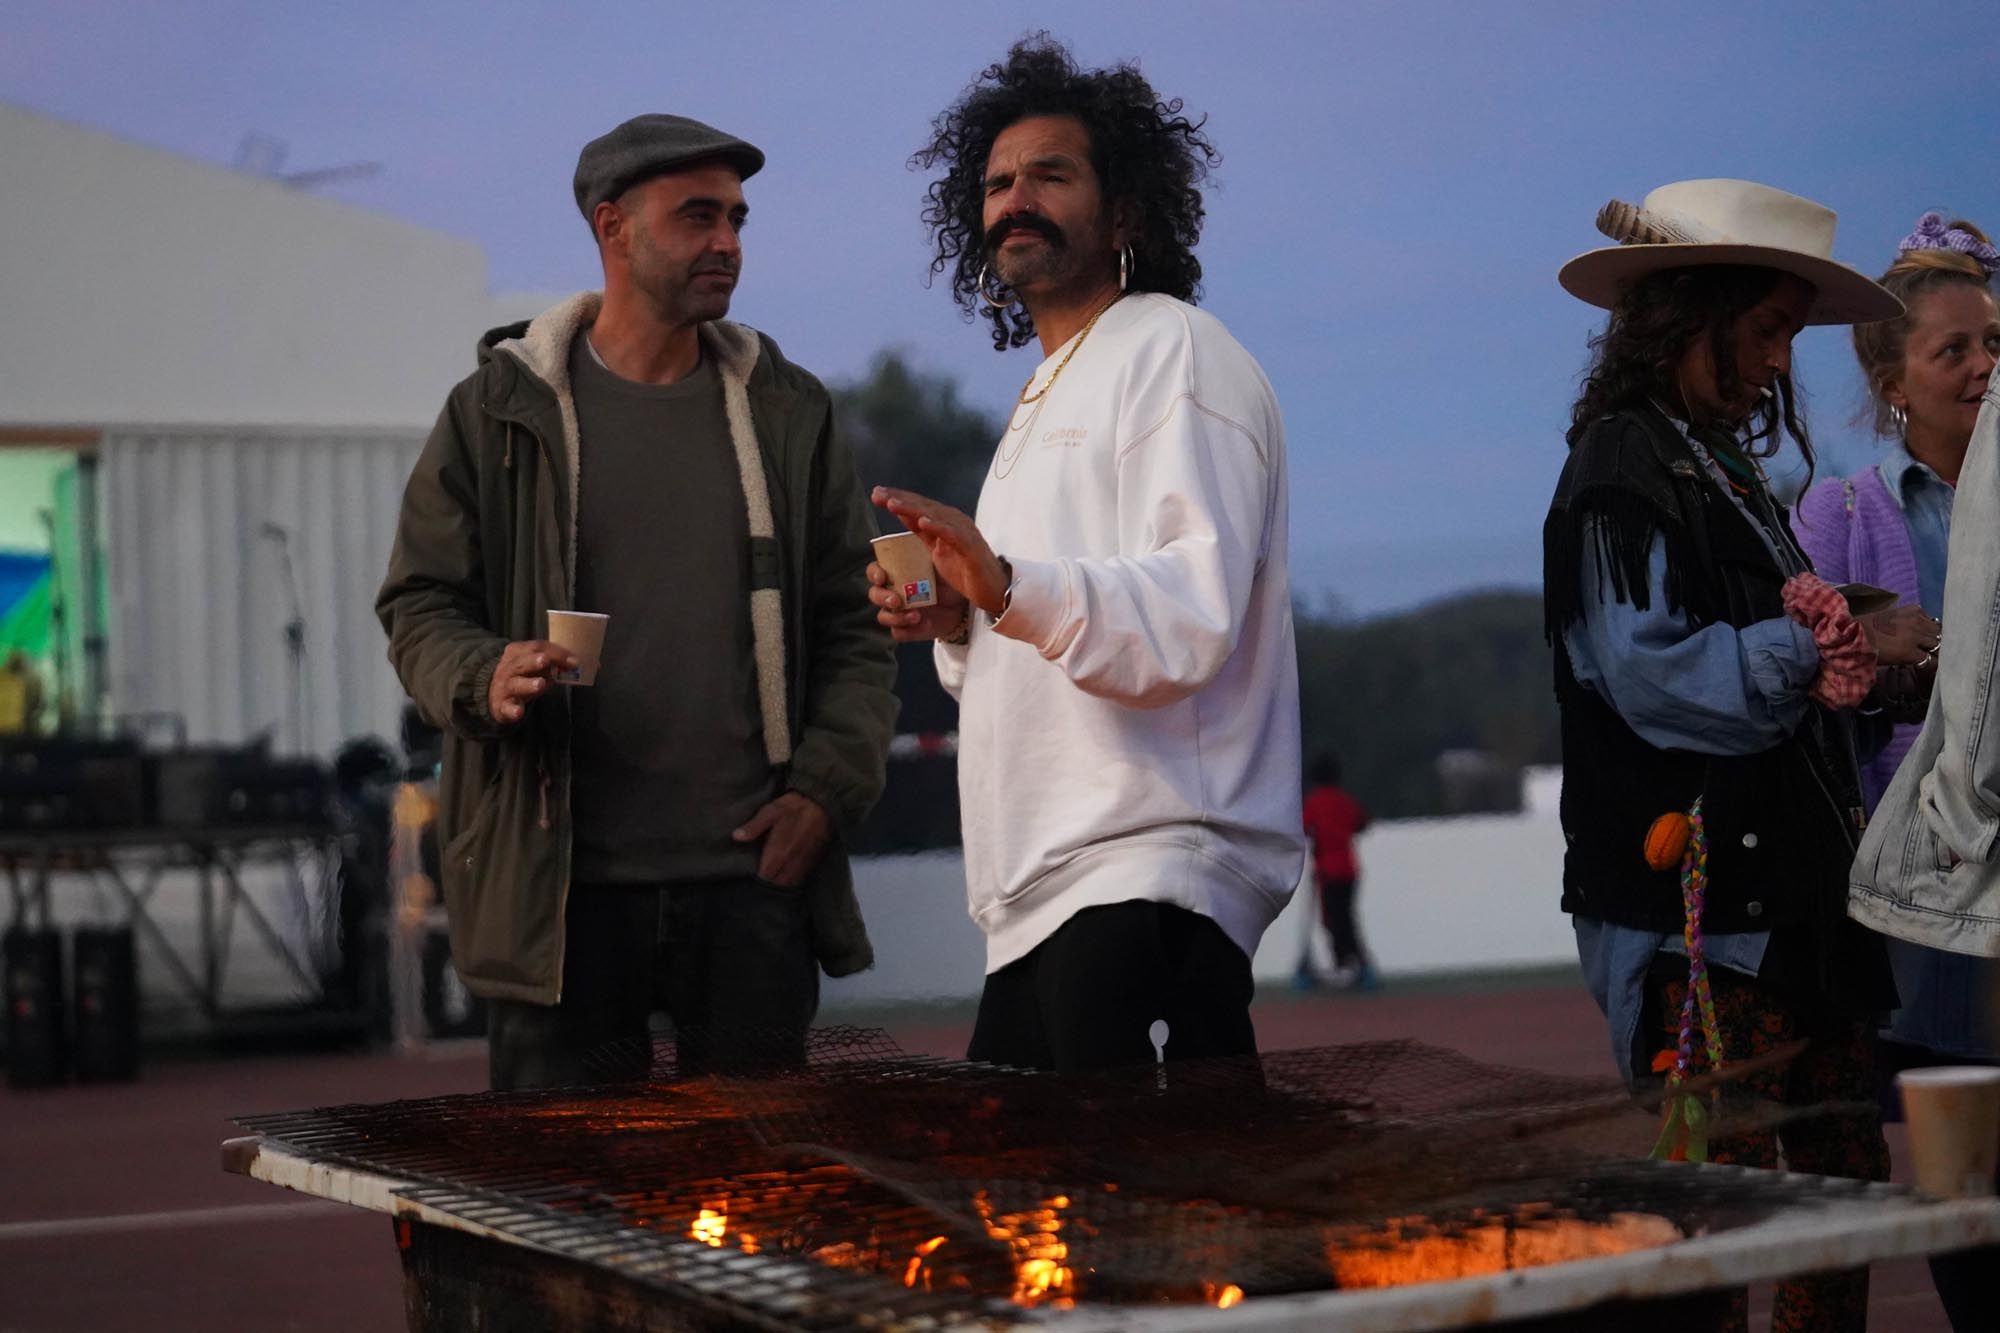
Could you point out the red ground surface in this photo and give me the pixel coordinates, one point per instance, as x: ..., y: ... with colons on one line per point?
x: 115, y: 1215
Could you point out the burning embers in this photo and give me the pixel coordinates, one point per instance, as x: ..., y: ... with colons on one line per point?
x: 711, y: 1227
x: 1041, y: 1256
x: 918, y: 1269
x: 1033, y: 1238
x: 1400, y: 1252
x: 1414, y: 1249
x: 876, y: 1187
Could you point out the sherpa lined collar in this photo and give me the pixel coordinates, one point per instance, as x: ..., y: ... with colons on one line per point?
x: 544, y: 348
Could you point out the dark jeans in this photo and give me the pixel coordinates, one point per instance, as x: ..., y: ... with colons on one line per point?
x: 731, y: 963
x: 1086, y: 998
x: 1336, y: 913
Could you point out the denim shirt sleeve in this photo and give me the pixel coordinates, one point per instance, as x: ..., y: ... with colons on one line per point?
x: 1716, y: 690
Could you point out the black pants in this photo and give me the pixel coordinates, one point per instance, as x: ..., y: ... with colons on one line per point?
x: 1336, y: 913
x: 1087, y: 997
x: 730, y: 963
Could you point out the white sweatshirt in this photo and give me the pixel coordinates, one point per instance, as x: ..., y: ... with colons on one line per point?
x: 1130, y: 727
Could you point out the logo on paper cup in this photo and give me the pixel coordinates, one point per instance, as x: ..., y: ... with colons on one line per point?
x: 569, y: 675
x: 923, y: 588
x: 910, y: 589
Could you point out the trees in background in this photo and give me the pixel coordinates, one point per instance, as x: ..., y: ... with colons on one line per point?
x: 1432, y: 710
x: 909, y: 429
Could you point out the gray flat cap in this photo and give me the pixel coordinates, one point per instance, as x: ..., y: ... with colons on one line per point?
x: 652, y: 145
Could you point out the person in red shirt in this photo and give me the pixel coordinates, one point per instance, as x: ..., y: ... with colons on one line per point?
x: 1333, y: 819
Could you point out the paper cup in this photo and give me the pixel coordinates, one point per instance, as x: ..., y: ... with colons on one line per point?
x: 907, y: 561
x: 582, y: 632
x: 1954, y: 1121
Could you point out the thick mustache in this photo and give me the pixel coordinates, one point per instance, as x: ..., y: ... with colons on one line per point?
x: 1040, y: 226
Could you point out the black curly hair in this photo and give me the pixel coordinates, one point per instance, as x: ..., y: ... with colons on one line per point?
x: 1144, y: 151
x: 1638, y: 354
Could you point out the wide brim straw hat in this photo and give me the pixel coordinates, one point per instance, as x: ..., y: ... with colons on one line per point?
x: 1707, y: 222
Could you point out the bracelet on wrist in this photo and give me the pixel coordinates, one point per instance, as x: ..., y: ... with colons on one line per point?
x: 1007, y: 593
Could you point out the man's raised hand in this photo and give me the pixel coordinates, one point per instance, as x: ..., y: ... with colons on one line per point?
x: 958, y: 550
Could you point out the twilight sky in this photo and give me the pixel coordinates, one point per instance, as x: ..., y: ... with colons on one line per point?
x: 1399, y: 184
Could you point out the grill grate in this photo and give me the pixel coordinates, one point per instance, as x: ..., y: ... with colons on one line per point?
x: 876, y: 1188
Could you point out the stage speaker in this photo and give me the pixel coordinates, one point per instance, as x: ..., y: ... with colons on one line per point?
x: 36, y: 1050
x: 209, y: 787
x: 60, y: 782
x: 104, y: 1045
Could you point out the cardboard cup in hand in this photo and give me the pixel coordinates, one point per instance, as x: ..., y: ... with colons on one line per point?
x: 907, y: 561
x: 582, y: 632
x: 1954, y: 1119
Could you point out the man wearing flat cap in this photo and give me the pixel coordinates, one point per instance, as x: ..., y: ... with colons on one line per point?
x: 668, y: 836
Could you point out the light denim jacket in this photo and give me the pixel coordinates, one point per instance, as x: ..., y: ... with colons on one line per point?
x: 1928, y: 869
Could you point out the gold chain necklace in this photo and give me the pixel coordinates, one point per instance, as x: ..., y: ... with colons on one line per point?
x: 1074, y: 347
x: 1003, y: 461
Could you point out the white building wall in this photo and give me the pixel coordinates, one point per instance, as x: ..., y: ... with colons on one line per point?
x: 144, y: 288
x: 253, y: 354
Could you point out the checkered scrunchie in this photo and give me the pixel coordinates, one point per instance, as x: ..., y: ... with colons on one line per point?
x: 1846, y: 658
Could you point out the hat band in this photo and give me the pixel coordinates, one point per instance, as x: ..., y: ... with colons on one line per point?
x: 1629, y: 224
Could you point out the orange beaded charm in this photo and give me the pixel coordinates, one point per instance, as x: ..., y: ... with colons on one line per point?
x: 1666, y: 841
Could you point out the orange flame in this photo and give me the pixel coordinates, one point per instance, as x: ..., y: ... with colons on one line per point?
x: 1221, y: 1297
x: 712, y: 1225
x: 918, y: 1269
x: 1041, y: 1271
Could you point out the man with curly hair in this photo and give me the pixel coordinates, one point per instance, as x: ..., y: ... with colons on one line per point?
x: 1116, y: 622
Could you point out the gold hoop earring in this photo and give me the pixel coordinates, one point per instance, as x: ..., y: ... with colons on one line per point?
x: 988, y: 296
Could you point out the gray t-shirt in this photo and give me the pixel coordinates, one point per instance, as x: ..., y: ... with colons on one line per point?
x: 669, y: 743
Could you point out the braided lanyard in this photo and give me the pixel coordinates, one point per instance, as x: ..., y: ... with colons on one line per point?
x: 1684, y: 1134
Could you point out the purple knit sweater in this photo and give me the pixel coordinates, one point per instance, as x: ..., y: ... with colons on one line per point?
x: 1853, y: 531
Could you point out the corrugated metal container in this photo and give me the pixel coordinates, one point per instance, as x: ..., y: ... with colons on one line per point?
x: 196, y: 577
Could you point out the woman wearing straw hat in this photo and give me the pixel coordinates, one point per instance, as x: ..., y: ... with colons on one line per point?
x: 1711, y: 800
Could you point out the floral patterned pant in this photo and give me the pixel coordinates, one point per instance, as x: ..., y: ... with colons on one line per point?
x: 1836, y: 1066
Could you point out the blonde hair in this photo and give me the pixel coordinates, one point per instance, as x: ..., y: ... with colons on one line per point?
x: 1880, y: 347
